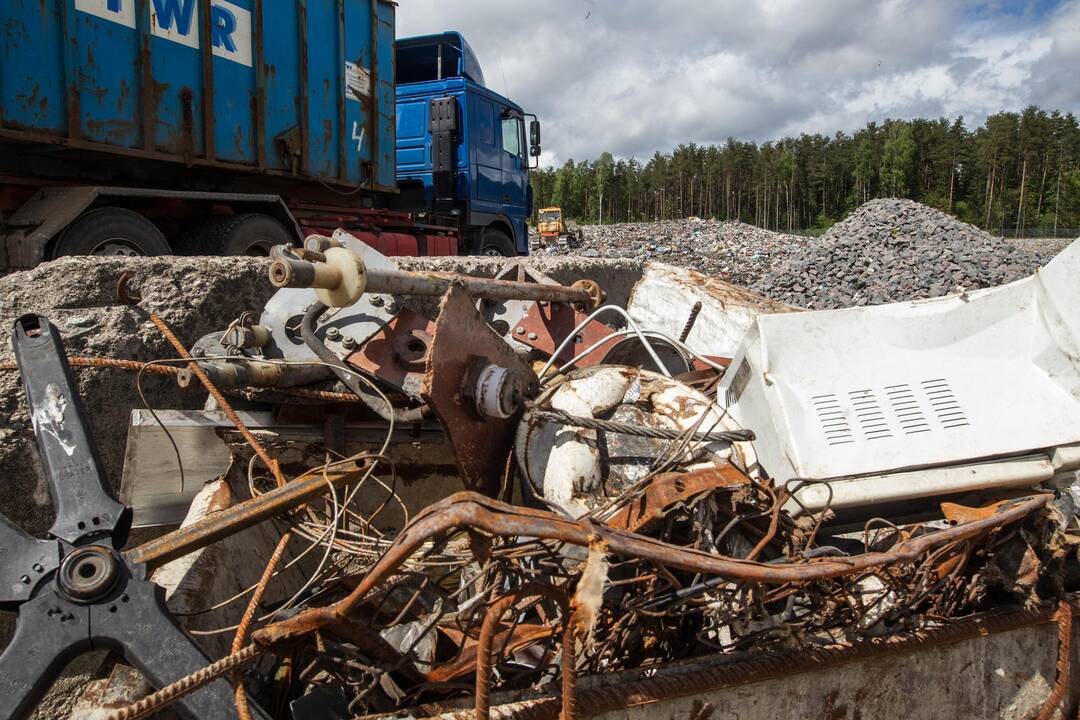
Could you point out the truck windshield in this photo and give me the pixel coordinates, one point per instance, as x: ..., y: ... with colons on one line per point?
x: 549, y: 216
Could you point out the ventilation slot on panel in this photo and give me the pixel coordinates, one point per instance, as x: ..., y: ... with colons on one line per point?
x: 738, y: 385
x: 833, y: 423
x: 906, y: 408
x: 869, y: 415
x: 944, y: 404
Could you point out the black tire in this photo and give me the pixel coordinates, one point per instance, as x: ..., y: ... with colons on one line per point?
x: 111, y: 231
x: 251, y: 234
x: 496, y: 243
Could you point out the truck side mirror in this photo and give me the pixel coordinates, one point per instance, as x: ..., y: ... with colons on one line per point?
x: 534, y: 151
x: 534, y: 133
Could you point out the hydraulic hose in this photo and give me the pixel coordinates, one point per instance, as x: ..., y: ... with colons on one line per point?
x: 349, y: 375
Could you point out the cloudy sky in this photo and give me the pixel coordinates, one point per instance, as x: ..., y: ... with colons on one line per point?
x: 634, y: 76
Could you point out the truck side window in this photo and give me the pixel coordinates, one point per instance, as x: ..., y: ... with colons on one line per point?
x: 485, y: 122
x: 511, y: 136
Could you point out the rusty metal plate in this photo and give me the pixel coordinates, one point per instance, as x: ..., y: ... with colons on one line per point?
x: 398, y: 353
x: 461, y: 340
x: 665, y: 491
x: 545, y: 325
x: 523, y: 636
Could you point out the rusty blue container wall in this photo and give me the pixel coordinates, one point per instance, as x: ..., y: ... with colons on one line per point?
x: 300, y: 88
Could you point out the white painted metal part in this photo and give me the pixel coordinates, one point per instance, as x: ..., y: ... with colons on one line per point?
x: 664, y: 296
x: 986, y: 374
x: 932, y: 482
x: 360, y: 321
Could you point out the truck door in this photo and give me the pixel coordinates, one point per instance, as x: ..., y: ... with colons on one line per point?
x: 515, y: 175
x: 487, y: 182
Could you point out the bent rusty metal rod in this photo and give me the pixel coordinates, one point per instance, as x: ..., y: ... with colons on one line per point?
x: 484, y: 658
x: 130, y: 297
x: 472, y: 510
x: 229, y: 521
x: 1063, y: 617
x: 240, y: 697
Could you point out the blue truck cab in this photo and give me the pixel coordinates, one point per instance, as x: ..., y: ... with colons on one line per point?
x: 463, y: 155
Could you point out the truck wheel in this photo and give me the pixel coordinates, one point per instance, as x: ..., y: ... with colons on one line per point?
x: 251, y: 234
x: 498, y: 244
x: 111, y: 231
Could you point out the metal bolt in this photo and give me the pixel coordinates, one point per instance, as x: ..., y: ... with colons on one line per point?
x: 377, y: 301
x: 520, y: 331
x: 333, y: 334
x: 533, y: 336
x: 38, y: 567
x: 25, y: 579
x: 349, y: 342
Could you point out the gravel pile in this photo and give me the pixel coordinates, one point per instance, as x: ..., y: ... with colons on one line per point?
x: 892, y: 250
x: 1046, y: 248
x: 733, y: 251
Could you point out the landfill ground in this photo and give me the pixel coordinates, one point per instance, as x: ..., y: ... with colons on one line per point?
x: 563, y: 486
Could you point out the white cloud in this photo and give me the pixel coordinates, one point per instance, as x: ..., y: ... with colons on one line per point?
x: 636, y: 76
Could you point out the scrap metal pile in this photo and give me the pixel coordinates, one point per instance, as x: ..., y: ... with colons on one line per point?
x: 626, y: 495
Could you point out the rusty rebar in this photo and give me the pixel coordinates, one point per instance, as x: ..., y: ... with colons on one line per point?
x: 1063, y: 618
x: 130, y: 296
x: 240, y: 696
x: 109, y: 363
x: 219, y: 399
x: 158, y: 369
x: 472, y: 510
x: 185, y: 685
x: 693, y: 681
x: 488, y: 630
x: 690, y: 321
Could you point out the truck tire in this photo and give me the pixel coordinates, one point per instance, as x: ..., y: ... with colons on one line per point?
x: 497, y: 243
x: 251, y: 234
x: 111, y: 231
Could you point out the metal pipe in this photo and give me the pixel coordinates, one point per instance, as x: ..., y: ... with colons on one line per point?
x: 291, y: 272
x: 251, y: 512
x: 400, y: 282
x: 233, y: 375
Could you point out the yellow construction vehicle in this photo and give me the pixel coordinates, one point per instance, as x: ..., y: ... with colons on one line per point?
x: 552, y: 227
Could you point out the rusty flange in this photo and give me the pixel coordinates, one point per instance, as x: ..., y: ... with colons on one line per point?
x: 596, y: 294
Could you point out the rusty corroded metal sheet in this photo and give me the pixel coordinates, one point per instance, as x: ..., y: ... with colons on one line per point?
x: 666, y: 490
x: 461, y: 340
x: 545, y: 325
x: 398, y: 353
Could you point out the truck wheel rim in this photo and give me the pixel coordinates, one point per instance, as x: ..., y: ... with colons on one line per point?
x: 117, y: 247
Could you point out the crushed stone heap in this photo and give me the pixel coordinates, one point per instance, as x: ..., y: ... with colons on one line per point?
x: 892, y: 250
x: 733, y: 251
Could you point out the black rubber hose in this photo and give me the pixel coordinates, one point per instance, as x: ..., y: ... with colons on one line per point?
x: 348, y: 375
